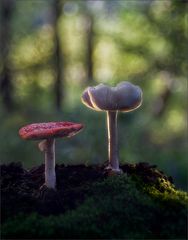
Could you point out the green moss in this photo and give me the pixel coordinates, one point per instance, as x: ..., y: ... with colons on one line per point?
x: 118, y: 207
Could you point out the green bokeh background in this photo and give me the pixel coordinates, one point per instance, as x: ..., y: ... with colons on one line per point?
x: 144, y: 42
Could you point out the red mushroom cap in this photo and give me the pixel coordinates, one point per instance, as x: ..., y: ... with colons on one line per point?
x: 37, y: 131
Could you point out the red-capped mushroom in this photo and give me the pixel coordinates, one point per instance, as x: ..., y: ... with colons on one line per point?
x: 48, y: 132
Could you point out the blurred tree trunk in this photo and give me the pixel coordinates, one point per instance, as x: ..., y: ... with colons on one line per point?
x: 161, y: 102
x: 90, y: 48
x: 6, y: 8
x: 58, y: 56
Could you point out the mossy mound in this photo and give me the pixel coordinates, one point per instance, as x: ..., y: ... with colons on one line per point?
x: 136, y: 205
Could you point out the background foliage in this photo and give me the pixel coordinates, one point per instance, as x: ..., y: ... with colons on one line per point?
x: 51, y: 50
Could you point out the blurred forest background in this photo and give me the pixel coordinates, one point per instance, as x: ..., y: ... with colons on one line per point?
x: 52, y: 49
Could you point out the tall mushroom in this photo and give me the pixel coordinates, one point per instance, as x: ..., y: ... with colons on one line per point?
x: 124, y: 97
x: 48, y: 132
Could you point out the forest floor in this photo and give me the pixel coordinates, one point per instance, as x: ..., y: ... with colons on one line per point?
x: 24, y: 190
x: 90, y: 201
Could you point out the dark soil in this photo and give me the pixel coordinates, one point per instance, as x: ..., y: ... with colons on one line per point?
x: 22, y: 191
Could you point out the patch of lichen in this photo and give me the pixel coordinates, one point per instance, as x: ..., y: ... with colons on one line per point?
x: 118, y: 207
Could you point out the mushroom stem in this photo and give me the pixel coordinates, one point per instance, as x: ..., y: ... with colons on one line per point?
x: 113, y: 155
x: 48, y: 146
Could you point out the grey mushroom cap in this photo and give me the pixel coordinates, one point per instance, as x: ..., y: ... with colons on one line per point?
x: 124, y: 97
x: 86, y: 98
